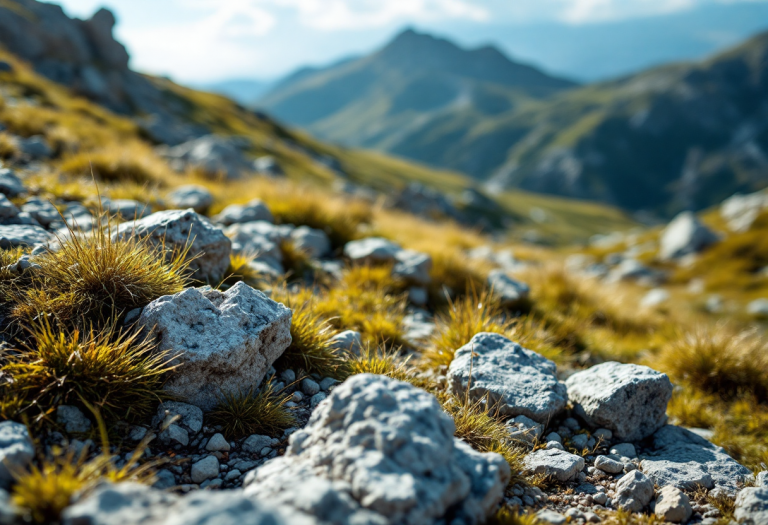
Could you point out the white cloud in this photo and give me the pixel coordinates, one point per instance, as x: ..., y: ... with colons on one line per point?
x: 581, y: 11
x: 359, y: 14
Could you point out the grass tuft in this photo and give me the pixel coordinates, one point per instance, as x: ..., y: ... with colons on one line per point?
x: 380, y: 361
x: 246, y: 413
x: 117, y: 373
x: 93, y: 278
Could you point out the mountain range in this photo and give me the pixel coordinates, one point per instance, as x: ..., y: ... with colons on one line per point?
x: 681, y: 136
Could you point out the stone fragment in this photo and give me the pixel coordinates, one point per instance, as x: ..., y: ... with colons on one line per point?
x: 227, y: 340
x: 381, y: 451
x: 517, y: 380
x: 206, y: 468
x: 72, y: 419
x: 685, y: 235
x: 634, y: 491
x: 309, y: 386
x: 23, y: 235
x: 191, y: 196
x: 511, y: 292
x: 373, y: 250
x: 551, y: 517
x: 188, y: 417
x: 175, y: 230
x: 629, y: 400
x: 255, y: 443
x: 685, y: 460
x: 217, y: 443
x: 10, y: 184
x: 16, y: 451
x: 413, y: 267
x: 314, y: 243
x: 349, y: 340
x: 758, y: 308
x: 127, y: 209
x: 608, y: 464
x: 8, y: 209
x: 558, y: 464
x: 626, y: 450
x: 253, y: 211
x: 673, y: 505
x: 752, y: 506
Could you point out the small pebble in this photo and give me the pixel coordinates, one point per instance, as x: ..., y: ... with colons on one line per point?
x: 310, y: 386
x: 288, y: 376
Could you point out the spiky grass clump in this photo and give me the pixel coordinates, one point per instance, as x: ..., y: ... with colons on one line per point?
x: 120, y: 374
x: 246, y: 413
x: 380, y: 361
x: 720, y: 360
x: 93, y: 278
x: 311, y: 349
x: 241, y: 269
x: 115, y: 164
x: 296, y: 262
x: 478, y: 424
x: 44, y: 491
x: 467, y: 316
x: 507, y: 516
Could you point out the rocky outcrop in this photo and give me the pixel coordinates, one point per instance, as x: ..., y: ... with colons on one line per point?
x: 227, y: 341
x: 175, y: 230
x: 381, y: 451
x: 752, y: 506
x: 516, y: 380
x: 629, y: 400
x: 685, y: 235
x: 16, y: 451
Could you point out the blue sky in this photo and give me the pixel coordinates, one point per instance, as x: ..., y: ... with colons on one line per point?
x: 206, y: 40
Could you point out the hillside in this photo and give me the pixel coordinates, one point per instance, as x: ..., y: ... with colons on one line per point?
x: 415, y: 98
x: 683, y: 136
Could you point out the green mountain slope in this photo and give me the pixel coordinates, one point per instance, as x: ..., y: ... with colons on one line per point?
x: 417, y: 97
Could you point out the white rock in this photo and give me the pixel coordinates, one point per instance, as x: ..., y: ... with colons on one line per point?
x: 373, y: 250
x: 551, y: 517
x: 314, y: 243
x: 175, y: 229
x: 255, y: 210
x: 24, y: 235
x: 413, y: 267
x: 608, y: 464
x: 381, y: 451
x: 740, y: 211
x: 758, y: 308
x: 634, y: 491
x: 206, y: 468
x: 629, y: 400
x: 673, y: 505
x: 72, y: 419
x: 16, y: 451
x: 191, y: 196
x: 10, y: 184
x: 752, y: 506
x: 349, y: 340
x: 655, y: 297
x: 510, y: 292
x: 558, y: 464
x: 517, y: 380
x: 127, y: 209
x: 309, y: 386
x: 217, y: 443
x: 228, y: 341
x: 685, y: 235
x: 7, y: 208
x: 626, y: 450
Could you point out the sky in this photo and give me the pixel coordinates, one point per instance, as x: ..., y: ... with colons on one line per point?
x: 202, y: 41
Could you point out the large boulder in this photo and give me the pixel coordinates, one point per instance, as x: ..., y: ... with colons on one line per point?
x: 175, y: 230
x: 382, y: 451
x: 227, y: 341
x: 680, y: 458
x: 629, y: 400
x: 16, y: 451
x: 516, y: 380
x: 191, y: 196
x: 23, y: 235
x: 685, y: 235
x: 752, y: 506
x: 135, y: 504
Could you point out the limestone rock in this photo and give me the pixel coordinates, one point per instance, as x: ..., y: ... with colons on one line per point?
x: 255, y: 210
x: 191, y: 196
x: 7, y: 208
x: 520, y: 381
x: 629, y: 400
x: 227, y: 341
x: 634, y: 491
x: 128, y: 209
x: 314, y: 243
x: 752, y: 506
x: 16, y: 451
x: 673, y: 505
x: 135, y: 504
x: 72, y: 419
x: 685, y: 235
x: 23, y: 235
x: 10, y: 184
x: 175, y: 229
x: 413, y: 267
x: 205, y: 469
x: 381, y: 451
x: 509, y: 291
x: 349, y: 340
x: 685, y: 460
x: 740, y: 211
x: 189, y: 417
x: 559, y: 464
x: 373, y: 250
